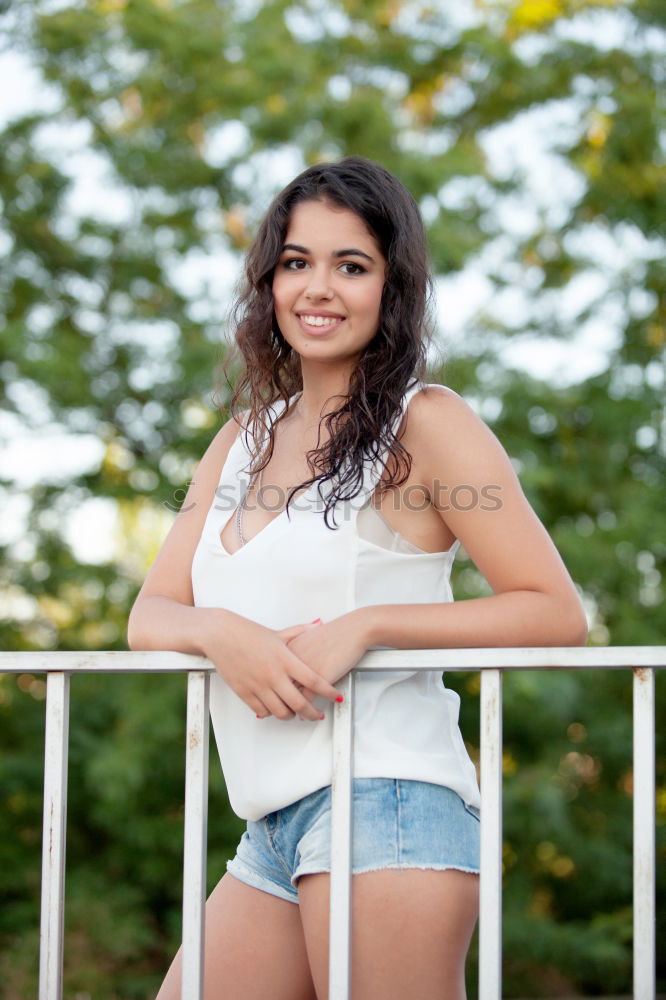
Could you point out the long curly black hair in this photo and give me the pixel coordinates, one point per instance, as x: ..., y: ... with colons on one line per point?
x: 362, y: 428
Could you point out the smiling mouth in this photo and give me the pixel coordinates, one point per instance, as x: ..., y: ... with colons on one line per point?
x: 319, y: 322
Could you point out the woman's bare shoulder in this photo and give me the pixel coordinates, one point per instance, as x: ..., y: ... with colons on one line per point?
x: 170, y: 574
x: 207, y: 473
x: 433, y: 398
x: 436, y: 408
x: 443, y: 432
x: 223, y: 441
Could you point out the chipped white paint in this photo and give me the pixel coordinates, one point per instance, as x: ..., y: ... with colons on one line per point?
x: 195, y: 834
x: 53, y: 836
x: 339, y: 974
x: 490, y: 912
x: 644, y: 835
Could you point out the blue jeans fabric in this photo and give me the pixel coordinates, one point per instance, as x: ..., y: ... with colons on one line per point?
x: 396, y: 824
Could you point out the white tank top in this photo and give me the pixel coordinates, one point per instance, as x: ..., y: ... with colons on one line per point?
x: 295, y: 570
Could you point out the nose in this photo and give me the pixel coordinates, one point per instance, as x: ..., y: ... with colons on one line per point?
x: 318, y: 286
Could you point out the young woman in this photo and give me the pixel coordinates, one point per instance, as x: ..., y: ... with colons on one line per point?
x: 323, y: 521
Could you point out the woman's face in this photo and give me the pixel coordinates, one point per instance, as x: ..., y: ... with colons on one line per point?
x: 328, y: 283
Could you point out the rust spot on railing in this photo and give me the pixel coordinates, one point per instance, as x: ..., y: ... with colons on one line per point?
x: 642, y: 674
x: 194, y: 740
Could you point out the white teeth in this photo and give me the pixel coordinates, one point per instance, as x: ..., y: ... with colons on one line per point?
x: 320, y: 320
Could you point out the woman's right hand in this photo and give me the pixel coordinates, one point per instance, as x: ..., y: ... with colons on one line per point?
x: 258, y: 666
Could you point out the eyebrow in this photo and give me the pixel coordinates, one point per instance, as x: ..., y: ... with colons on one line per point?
x: 349, y: 252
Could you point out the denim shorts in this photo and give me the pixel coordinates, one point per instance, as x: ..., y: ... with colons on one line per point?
x: 397, y: 824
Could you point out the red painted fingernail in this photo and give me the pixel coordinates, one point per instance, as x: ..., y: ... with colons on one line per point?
x: 322, y: 717
x: 259, y: 716
x: 315, y: 621
x: 339, y: 699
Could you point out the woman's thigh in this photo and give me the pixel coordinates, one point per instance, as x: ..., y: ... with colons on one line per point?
x: 411, y: 930
x: 254, y: 950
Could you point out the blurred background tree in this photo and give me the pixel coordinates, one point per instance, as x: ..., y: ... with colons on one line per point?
x: 531, y: 134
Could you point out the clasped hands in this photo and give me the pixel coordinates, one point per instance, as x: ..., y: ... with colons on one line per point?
x: 280, y: 672
x: 329, y: 651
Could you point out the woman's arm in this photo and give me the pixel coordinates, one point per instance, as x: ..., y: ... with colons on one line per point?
x: 534, y: 601
x: 163, y: 616
x: 255, y: 661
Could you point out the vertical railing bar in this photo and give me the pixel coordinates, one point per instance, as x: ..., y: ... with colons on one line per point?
x: 195, y: 834
x: 490, y: 915
x: 339, y: 969
x: 54, y: 829
x: 644, y: 834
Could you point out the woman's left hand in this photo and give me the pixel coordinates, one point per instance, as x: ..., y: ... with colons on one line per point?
x: 332, y: 648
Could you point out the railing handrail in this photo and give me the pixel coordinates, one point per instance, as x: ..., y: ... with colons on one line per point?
x: 459, y: 659
x: 491, y: 662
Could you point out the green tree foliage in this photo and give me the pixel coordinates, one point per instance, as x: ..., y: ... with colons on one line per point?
x: 126, y: 198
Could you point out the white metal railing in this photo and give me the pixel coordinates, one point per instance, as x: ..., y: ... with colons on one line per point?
x: 59, y: 666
